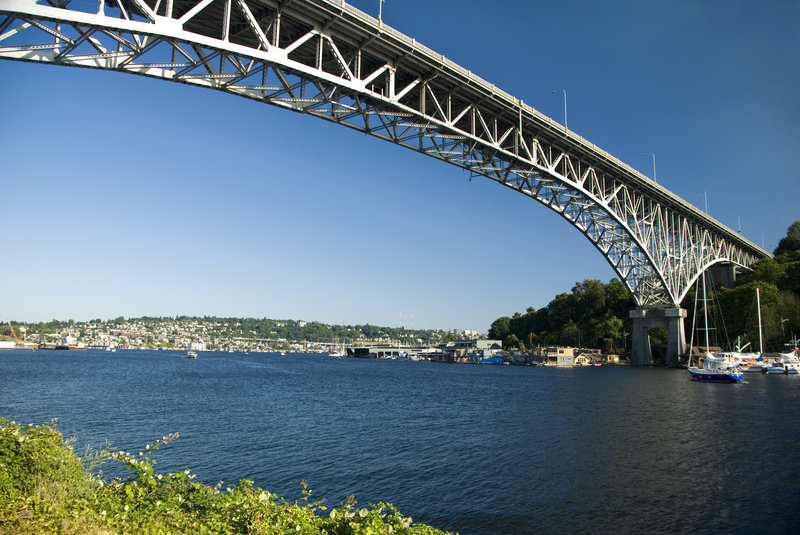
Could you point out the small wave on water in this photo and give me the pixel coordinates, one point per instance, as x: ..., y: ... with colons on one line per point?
x: 473, y: 449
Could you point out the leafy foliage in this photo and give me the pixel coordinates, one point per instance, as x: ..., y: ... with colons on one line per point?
x: 791, y: 243
x: 778, y: 280
x: 593, y: 314
x: 45, y: 488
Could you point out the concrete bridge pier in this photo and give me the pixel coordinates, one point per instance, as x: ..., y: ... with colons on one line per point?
x: 645, y: 319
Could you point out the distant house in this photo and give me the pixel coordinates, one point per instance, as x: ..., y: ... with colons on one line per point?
x: 558, y: 356
x: 582, y: 360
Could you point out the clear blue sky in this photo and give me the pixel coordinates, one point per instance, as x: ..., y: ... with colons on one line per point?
x: 128, y: 196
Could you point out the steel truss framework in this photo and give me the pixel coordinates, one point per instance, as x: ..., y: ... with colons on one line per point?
x: 327, y: 59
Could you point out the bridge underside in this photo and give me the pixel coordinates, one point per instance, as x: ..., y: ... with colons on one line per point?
x: 329, y: 60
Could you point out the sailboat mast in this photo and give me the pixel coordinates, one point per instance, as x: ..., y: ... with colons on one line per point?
x: 705, y: 313
x: 694, y: 321
x: 760, y: 335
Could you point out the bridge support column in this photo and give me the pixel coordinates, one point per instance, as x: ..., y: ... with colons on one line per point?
x: 645, y: 319
x: 724, y: 274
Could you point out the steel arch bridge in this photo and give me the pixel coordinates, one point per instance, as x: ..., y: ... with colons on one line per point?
x: 330, y: 60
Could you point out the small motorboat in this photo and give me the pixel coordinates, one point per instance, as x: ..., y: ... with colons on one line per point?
x: 785, y: 366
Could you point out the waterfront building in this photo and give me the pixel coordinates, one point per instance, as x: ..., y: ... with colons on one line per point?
x: 470, y: 350
x: 558, y: 356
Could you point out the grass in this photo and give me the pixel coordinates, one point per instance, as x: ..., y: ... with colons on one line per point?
x: 45, y: 487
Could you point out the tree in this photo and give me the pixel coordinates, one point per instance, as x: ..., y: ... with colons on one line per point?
x: 570, y: 335
x: 791, y: 242
x: 569, y: 319
x: 740, y: 311
x: 789, y: 311
x: 561, y: 310
x: 590, y: 295
x: 790, y: 280
x: 500, y: 328
x: 607, y: 331
x: 766, y: 270
x: 618, y: 301
x: 525, y: 325
x: 531, y: 339
x: 511, y: 342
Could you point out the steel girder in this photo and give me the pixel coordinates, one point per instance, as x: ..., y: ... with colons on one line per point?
x: 327, y: 59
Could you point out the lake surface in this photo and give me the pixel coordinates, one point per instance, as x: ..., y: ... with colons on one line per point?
x: 476, y: 449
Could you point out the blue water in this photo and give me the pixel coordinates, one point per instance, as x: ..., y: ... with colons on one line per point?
x: 476, y: 449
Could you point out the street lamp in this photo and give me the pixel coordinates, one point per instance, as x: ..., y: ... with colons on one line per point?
x: 380, y: 9
x: 565, y: 105
x: 624, y: 340
x: 783, y: 333
x: 705, y: 199
x: 653, y: 154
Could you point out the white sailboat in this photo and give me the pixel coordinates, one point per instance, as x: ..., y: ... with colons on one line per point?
x: 755, y: 363
x: 721, y: 368
x: 337, y: 353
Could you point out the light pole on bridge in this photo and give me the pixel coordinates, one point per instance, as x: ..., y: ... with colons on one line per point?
x: 705, y: 199
x: 565, y: 105
x: 653, y: 154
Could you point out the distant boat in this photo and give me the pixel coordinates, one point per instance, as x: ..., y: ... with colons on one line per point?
x: 191, y: 354
x: 340, y: 353
x: 788, y: 364
x: 753, y: 365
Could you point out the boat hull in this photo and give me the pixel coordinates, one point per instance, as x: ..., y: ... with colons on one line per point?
x: 783, y: 370
x: 711, y: 376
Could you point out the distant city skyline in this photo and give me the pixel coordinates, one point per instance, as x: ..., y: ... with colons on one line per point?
x: 127, y: 196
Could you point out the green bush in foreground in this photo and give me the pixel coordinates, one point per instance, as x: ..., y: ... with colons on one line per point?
x: 46, y: 488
